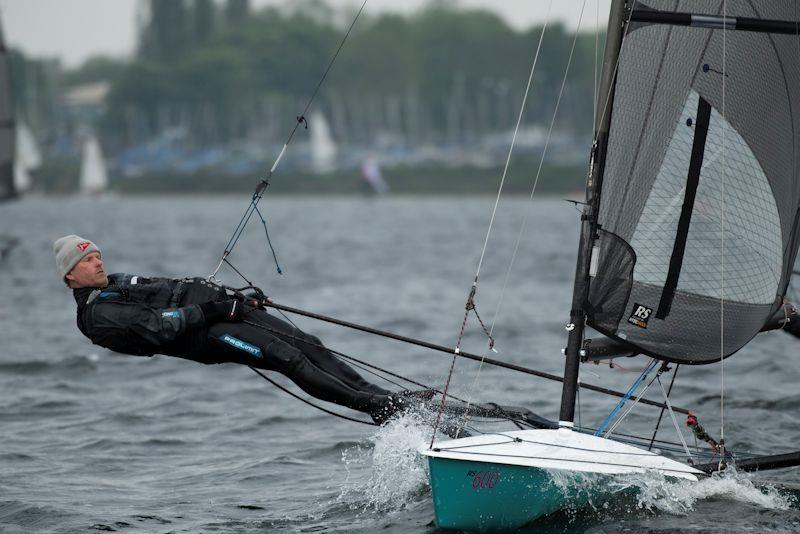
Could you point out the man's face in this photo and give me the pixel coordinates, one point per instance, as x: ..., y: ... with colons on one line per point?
x: 88, y: 272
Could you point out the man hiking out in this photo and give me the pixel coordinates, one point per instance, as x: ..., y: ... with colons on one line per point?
x: 198, y: 320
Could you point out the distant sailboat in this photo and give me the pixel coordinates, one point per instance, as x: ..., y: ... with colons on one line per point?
x: 371, y: 173
x: 94, y: 178
x: 27, y: 158
x: 323, y: 147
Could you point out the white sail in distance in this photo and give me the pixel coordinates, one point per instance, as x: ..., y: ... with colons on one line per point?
x: 27, y: 157
x: 323, y: 147
x: 93, y: 177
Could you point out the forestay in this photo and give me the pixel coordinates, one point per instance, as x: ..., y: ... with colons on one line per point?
x: 701, y: 188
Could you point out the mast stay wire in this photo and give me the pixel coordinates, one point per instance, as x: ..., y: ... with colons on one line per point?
x: 722, y: 255
x: 671, y: 445
x: 538, y: 173
x: 264, y: 183
x: 470, y: 304
x: 596, y: 120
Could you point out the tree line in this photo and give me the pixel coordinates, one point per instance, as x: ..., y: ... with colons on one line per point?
x: 225, y: 71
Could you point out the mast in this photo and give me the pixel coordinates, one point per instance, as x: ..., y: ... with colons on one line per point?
x: 577, y: 322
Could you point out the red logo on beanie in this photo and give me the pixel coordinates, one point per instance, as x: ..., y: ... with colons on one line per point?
x: 83, y: 246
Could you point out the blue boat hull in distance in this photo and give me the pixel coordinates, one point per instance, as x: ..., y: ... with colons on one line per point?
x: 503, y: 481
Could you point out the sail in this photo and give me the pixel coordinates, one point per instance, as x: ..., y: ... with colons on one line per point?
x: 7, y: 189
x: 701, y: 184
x: 323, y: 147
x: 27, y: 157
x: 93, y: 178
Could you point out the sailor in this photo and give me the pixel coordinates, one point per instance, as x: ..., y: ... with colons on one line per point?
x: 198, y: 320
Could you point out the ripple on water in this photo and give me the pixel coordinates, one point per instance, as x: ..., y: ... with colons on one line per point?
x: 30, y: 517
x: 71, y: 365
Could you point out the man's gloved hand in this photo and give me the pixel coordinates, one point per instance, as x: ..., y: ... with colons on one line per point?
x: 230, y: 311
x: 255, y: 299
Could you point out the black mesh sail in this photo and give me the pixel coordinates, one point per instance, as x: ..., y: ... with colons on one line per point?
x: 699, y: 208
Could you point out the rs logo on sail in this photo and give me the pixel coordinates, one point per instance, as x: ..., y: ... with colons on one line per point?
x: 640, y: 315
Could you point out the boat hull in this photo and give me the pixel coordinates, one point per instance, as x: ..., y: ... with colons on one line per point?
x: 503, y: 481
x: 485, y: 497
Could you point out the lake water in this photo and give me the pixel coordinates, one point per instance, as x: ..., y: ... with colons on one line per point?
x: 96, y: 441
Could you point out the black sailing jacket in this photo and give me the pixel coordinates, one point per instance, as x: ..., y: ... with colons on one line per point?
x: 146, y: 316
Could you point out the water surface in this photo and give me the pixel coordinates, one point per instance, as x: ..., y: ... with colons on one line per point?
x: 96, y: 441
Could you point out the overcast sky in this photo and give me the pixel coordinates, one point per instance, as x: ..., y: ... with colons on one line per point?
x: 74, y: 30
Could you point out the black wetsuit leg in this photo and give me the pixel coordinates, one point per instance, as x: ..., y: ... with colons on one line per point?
x: 313, y: 348
x: 257, y: 347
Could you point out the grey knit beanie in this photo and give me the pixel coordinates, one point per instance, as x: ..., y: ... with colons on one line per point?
x: 71, y: 249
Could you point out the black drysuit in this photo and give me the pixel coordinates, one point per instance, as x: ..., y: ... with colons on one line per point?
x: 146, y: 316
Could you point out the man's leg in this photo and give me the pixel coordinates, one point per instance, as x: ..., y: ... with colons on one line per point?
x: 313, y: 348
x: 253, y: 346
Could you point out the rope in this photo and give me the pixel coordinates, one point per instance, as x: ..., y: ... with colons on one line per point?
x: 524, y: 224
x: 461, y: 354
x: 469, y: 305
x: 497, y: 200
x: 264, y: 183
x: 631, y: 407
x: 269, y: 241
x: 625, y: 397
x: 317, y: 406
x: 665, y: 445
x: 368, y: 367
x: 722, y: 245
x: 660, y: 415
x: 675, y: 421
x: 614, y: 73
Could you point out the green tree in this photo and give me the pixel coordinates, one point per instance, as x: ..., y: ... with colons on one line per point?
x: 203, y: 16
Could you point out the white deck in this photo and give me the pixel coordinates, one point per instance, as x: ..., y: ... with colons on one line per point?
x: 559, y: 449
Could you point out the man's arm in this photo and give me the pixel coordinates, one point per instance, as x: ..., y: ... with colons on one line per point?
x: 134, y: 328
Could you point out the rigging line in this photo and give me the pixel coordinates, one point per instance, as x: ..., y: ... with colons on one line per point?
x: 596, y: 63
x: 366, y: 369
x: 524, y: 224
x: 539, y: 170
x: 614, y: 72
x: 513, y: 141
x: 505, y: 170
x: 365, y: 366
x: 722, y: 242
x: 461, y: 354
x: 259, y: 193
x: 237, y: 271
x: 628, y: 394
x: 317, y: 406
x: 669, y: 391
x: 269, y: 241
x: 674, y: 421
x: 632, y: 406
x: 578, y: 394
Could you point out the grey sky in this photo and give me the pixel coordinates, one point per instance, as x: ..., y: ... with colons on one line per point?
x: 76, y: 29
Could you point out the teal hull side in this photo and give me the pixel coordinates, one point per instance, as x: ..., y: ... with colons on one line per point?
x: 478, y: 496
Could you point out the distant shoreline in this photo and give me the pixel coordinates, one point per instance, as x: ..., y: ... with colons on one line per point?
x: 417, y: 180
